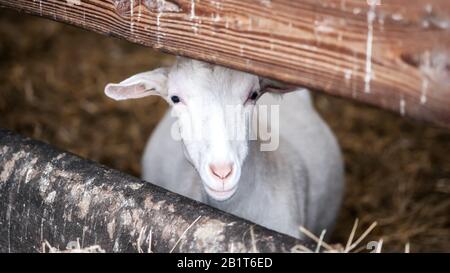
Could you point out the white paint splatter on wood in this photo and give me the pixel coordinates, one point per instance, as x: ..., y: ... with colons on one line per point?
x: 397, y: 17
x: 158, y: 27
x: 368, y: 77
x: 348, y: 74
x: 425, y: 68
x: 356, y: 11
x: 192, y: 9
x: 195, y: 28
x: 267, y: 3
x: 131, y: 16
x: 402, y: 106
x: 423, y: 96
x: 325, y: 26
x: 74, y: 2
x: 139, y: 11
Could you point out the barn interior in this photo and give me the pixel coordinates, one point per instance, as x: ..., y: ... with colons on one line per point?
x: 52, y: 78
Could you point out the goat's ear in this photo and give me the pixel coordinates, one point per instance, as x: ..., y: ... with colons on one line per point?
x: 140, y: 85
x: 269, y: 85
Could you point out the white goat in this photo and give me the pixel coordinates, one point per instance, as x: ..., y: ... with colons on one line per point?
x: 299, y: 183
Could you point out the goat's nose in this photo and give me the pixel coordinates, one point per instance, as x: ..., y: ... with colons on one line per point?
x: 221, y: 171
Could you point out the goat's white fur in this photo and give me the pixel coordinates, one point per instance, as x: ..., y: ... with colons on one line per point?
x: 300, y: 183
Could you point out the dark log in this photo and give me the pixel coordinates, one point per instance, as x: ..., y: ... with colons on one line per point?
x: 394, y: 54
x: 55, y: 196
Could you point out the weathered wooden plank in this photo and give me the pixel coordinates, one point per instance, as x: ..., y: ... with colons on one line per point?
x: 54, y: 196
x: 393, y: 54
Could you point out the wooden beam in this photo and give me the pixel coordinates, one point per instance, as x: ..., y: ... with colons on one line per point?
x: 393, y: 54
x: 47, y: 195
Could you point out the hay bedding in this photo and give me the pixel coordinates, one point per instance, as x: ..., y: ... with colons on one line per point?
x: 52, y: 78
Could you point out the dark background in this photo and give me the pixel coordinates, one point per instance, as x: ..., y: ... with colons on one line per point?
x: 51, y: 88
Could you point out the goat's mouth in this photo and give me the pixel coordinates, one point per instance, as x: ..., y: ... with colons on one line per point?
x: 220, y: 195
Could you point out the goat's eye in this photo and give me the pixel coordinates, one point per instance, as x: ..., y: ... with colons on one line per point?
x: 253, y: 95
x: 175, y: 99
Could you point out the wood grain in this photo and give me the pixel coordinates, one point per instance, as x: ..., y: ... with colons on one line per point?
x: 392, y: 54
x: 51, y: 195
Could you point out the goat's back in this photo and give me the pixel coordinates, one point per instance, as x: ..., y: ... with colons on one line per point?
x: 311, y: 138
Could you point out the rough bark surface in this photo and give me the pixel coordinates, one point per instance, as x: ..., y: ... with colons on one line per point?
x: 51, y: 195
x: 394, y: 54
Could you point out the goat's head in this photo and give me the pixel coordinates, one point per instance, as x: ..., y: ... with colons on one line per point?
x: 213, y: 105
